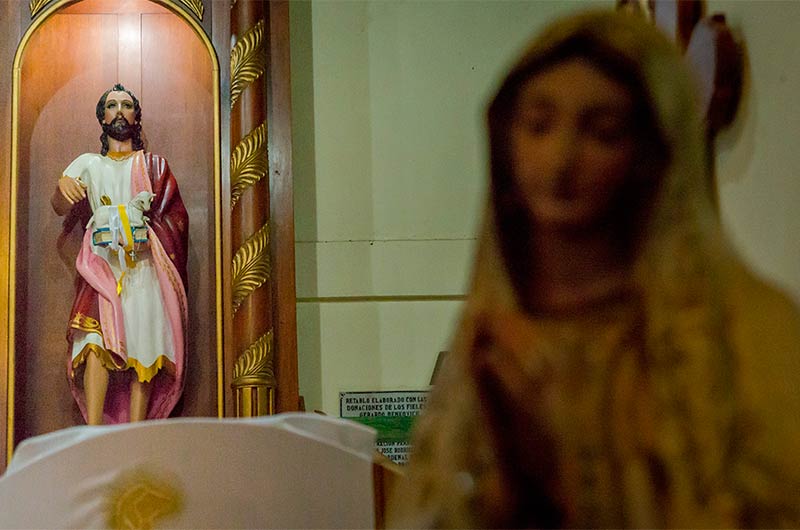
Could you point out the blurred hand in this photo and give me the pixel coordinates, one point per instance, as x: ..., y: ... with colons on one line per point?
x: 72, y: 189
x: 513, y: 391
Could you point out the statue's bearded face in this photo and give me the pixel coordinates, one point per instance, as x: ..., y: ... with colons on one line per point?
x: 119, y: 116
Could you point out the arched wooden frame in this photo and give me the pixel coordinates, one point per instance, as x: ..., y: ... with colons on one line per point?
x: 9, y: 231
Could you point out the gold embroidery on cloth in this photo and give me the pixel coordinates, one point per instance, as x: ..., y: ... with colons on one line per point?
x: 120, y: 155
x: 109, y: 362
x: 138, y: 499
x: 146, y: 373
x: 86, y: 324
x: 106, y: 359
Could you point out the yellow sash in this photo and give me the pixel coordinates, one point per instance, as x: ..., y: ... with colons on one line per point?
x: 126, y: 227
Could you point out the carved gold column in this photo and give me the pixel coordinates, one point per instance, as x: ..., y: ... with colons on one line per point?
x: 253, y: 378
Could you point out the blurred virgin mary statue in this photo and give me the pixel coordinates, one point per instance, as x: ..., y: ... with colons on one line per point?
x: 617, y: 365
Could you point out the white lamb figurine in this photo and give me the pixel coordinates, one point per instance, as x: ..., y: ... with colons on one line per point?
x: 135, y: 209
x: 108, y: 224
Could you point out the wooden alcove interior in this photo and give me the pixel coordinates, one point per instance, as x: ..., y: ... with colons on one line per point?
x: 69, y: 61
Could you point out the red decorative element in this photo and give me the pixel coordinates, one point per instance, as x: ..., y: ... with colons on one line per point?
x: 710, y: 50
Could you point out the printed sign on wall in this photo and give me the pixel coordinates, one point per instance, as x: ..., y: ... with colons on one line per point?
x: 391, y: 413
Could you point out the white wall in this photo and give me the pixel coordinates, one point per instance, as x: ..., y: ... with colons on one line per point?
x: 390, y: 166
x: 758, y: 160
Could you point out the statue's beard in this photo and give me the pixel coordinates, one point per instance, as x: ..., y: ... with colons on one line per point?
x: 119, y: 129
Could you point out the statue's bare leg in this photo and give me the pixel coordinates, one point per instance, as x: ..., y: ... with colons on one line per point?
x: 140, y: 397
x: 95, y: 385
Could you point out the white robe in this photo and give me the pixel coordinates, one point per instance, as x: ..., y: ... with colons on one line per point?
x: 147, y: 332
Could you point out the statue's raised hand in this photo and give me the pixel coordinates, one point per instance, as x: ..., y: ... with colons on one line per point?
x: 72, y: 189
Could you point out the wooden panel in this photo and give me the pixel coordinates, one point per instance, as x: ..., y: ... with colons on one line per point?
x: 96, y: 7
x: 57, y: 123
x: 178, y: 120
x: 130, y: 52
x: 282, y: 207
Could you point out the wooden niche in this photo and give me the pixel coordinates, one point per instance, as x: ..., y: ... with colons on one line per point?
x: 70, y: 59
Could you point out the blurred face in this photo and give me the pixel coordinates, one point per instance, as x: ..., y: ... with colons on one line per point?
x: 119, y: 105
x: 572, y: 144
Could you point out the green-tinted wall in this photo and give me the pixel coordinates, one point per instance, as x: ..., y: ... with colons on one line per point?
x: 390, y: 164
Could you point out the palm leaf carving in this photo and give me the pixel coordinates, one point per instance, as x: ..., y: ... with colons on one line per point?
x: 196, y: 7
x: 248, y: 162
x: 36, y: 6
x: 248, y: 60
x: 256, y: 360
x: 251, y: 266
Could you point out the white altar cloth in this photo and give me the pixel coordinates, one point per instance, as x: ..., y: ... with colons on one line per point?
x: 285, y: 471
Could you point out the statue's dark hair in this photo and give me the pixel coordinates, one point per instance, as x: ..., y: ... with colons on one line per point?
x: 100, y: 110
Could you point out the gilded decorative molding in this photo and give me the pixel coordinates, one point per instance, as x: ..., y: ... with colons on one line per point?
x: 249, y: 162
x: 196, y: 7
x: 256, y: 362
x: 251, y: 266
x: 248, y: 60
x: 36, y: 6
